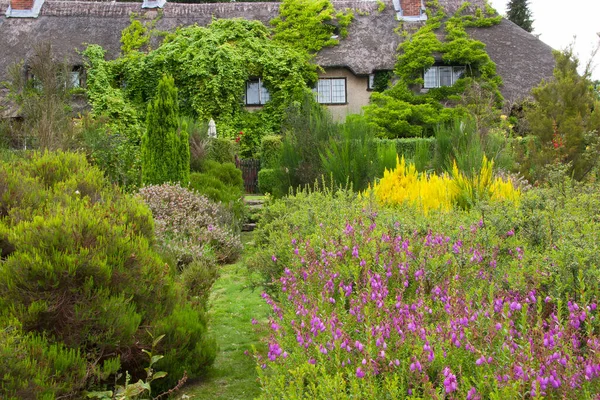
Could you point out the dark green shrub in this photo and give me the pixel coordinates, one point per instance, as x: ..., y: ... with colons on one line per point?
x: 78, y: 269
x: 165, y: 146
x: 270, y: 151
x: 221, y: 150
x: 565, y: 118
x: 198, y: 277
x: 115, y: 153
x: 221, y: 183
x: 184, y: 328
x: 270, y: 181
x: 33, y: 368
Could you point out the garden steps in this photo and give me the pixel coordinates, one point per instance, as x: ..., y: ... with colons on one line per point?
x: 255, y: 205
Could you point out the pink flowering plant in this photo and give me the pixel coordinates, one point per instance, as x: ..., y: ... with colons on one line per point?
x: 373, y: 310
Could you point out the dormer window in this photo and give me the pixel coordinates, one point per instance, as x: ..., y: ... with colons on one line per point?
x: 256, y: 93
x: 442, y: 75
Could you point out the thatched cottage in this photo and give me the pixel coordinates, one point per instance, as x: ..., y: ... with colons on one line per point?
x: 345, y: 86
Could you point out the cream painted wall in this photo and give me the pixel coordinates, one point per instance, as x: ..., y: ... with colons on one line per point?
x: 356, y: 89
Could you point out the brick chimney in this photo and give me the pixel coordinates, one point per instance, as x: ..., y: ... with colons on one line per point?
x: 410, y: 8
x: 21, y: 4
x: 24, y: 8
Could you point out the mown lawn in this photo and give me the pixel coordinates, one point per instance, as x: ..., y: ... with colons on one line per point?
x: 232, y: 307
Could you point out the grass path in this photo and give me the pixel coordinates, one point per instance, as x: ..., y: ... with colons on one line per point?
x: 232, y: 307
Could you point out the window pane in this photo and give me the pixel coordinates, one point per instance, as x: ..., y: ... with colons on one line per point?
x: 372, y: 81
x: 459, y: 72
x: 431, y: 78
x: 445, y: 76
x: 264, y: 94
x: 252, y: 96
x: 338, y: 90
x: 324, y: 91
x: 75, y: 79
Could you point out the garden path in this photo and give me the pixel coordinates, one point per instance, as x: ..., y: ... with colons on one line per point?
x: 232, y: 307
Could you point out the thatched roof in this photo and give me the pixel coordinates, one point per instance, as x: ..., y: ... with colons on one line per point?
x: 523, y: 60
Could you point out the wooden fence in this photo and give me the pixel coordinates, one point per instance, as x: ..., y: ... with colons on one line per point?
x: 250, y: 168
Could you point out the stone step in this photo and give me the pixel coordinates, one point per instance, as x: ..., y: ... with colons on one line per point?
x: 249, y: 227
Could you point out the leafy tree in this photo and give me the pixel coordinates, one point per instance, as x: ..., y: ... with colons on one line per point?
x: 164, y: 157
x: 565, y: 118
x: 518, y: 12
x: 42, y: 90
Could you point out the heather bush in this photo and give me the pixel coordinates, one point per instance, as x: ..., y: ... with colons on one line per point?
x: 81, y: 289
x: 186, y: 223
x: 495, y: 302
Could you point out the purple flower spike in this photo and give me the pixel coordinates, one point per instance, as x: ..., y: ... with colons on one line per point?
x: 360, y: 373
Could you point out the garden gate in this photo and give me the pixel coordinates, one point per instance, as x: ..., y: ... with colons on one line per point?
x: 250, y: 168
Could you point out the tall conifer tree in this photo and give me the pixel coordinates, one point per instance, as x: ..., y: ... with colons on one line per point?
x: 519, y: 13
x: 162, y: 148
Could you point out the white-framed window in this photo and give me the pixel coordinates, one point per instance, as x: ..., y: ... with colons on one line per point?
x: 256, y: 93
x: 371, y: 82
x: 331, y: 90
x: 77, y: 77
x: 442, y: 75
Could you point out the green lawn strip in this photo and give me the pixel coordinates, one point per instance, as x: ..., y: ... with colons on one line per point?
x: 232, y: 308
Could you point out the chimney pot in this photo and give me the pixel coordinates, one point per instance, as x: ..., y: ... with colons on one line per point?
x: 21, y: 4
x: 410, y: 8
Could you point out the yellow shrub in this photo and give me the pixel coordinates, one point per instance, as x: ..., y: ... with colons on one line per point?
x: 405, y: 185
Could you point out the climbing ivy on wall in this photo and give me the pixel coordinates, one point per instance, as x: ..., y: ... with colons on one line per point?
x: 210, y: 66
x: 399, y: 112
x: 310, y: 25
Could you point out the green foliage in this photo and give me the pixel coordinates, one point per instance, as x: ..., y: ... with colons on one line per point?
x: 187, y: 347
x: 307, y: 129
x: 142, y: 388
x: 105, y: 97
x: 293, y: 216
x: 210, y: 66
x: 116, y: 154
x: 221, y: 183
x: 408, y: 147
x: 165, y: 147
x: 310, y: 25
x: 270, y: 151
x: 34, y: 368
x: 398, y: 111
x: 221, y: 150
x: 382, y: 81
x: 43, y: 96
x: 519, y: 13
x: 135, y: 36
x: 352, y: 158
x: 78, y: 270
x: 565, y: 120
x: 270, y: 181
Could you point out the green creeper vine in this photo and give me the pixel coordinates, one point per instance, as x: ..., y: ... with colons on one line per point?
x: 310, y: 25
x: 422, y: 112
